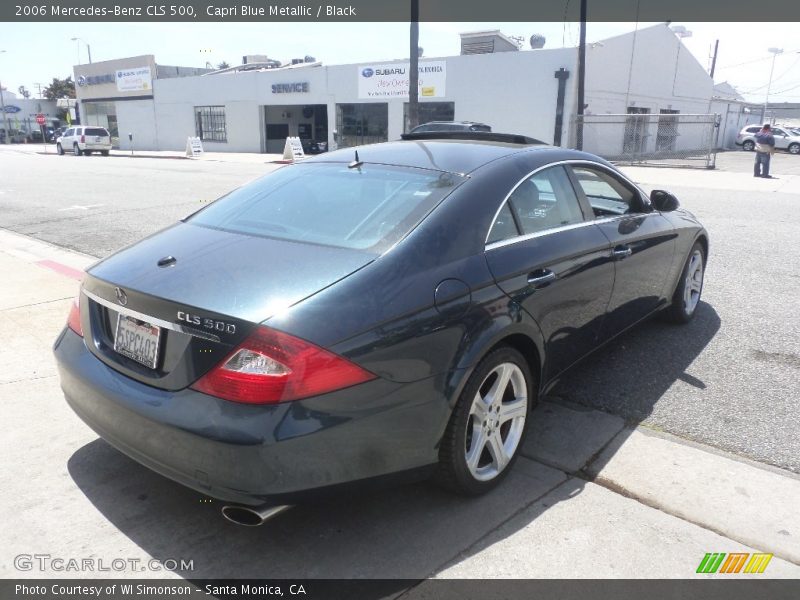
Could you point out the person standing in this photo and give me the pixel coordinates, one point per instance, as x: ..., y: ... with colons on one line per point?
x: 765, y: 148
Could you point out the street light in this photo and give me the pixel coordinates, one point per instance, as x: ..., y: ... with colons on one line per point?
x: 88, y: 48
x: 3, y: 108
x: 775, y: 52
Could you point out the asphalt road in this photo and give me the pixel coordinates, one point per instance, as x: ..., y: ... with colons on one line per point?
x: 731, y: 379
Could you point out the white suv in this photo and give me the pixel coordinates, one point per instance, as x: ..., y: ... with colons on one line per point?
x: 84, y: 140
x: 785, y: 139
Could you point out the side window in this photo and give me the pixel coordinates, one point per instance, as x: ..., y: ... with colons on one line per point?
x: 607, y: 195
x: 68, y: 132
x: 753, y: 129
x: 503, y: 227
x: 544, y: 201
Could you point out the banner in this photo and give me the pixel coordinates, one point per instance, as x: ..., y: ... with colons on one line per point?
x: 136, y: 79
x: 391, y: 80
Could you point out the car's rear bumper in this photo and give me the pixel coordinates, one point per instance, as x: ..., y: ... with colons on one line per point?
x: 94, y: 146
x: 250, y: 454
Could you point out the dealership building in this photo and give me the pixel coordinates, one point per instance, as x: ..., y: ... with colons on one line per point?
x: 253, y: 107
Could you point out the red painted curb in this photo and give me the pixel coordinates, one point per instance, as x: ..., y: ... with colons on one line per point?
x: 61, y: 269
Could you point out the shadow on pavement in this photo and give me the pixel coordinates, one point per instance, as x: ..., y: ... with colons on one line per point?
x: 408, y: 532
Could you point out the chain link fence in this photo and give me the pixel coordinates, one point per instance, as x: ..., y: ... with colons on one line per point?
x: 667, y: 139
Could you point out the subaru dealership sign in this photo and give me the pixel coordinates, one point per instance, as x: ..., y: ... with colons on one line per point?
x: 137, y: 79
x: 391, y: 80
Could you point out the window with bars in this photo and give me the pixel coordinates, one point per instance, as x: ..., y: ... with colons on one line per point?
x: 210, y: 123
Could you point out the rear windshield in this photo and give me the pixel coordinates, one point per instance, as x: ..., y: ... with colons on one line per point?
x: 95, y: 131
x: 366, y: 208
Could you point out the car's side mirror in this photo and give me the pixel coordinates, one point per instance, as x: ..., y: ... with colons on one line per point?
x: 664, y: 201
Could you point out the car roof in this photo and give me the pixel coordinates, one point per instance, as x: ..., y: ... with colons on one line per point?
x: 454, y: 156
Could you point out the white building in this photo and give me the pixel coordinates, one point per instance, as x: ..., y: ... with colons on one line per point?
x: 532, y: 92
x: 20, y: 113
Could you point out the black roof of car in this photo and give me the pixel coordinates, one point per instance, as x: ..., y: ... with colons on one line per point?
x: 447, y: 153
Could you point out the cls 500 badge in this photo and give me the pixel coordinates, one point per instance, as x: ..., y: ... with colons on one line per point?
x: 206, y: 322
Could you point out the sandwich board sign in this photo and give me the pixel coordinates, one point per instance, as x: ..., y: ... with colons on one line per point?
x: 194, y: 146
x: 293, y: 150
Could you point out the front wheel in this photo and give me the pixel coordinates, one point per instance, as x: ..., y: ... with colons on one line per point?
x: 748, y: 145
x: 488, y: 425
x: 687, y: 294
x: 794, y: 148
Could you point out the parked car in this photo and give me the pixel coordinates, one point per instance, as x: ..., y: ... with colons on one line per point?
x: 450, y: 126
x: 381, y: 313
x: 785, y: 139
x: 35, y: 136
x: 313, y: 147
x: 15, y: 136
x: 84, y: 140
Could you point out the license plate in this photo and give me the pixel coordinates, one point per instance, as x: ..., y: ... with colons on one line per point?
x: 97, y: 139
x: 138, y: 340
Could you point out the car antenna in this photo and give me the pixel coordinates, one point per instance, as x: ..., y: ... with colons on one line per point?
x: 356, y: 163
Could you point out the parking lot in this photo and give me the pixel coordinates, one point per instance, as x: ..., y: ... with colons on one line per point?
x: 729, y: 382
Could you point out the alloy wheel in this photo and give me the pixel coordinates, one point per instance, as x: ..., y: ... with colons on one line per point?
x: 496, y: 421
x: 693, y: 285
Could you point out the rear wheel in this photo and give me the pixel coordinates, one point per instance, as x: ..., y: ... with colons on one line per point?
x: 488, y: 425
x: 749, y: 145
x: 687, y: 294
x: 75, y: 150
x: 104, y: 152
x: 794, y: 148
x: 87, y: 152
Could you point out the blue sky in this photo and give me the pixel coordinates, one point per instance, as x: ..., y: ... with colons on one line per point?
x: 37, y: 52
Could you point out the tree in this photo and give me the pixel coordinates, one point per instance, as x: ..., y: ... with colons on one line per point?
x: 60, y: 88
x: 223, y: 65
x: 24, y: 92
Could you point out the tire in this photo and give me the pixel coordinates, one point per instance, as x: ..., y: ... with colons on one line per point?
x: 684, y: 303
x: 794, y: 148
x: 60, y: 150
x: 75, y: 150
x: 87, y: 152
x: 482, y: 439
x: 104, y: 152
x: 748, y: 146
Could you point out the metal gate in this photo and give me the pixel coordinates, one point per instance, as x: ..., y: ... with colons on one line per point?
x: 666, y: 139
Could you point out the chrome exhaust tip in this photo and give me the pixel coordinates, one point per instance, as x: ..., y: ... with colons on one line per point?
x: 251, y: 516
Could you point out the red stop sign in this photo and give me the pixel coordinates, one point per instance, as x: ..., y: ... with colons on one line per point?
x: 40, y: 119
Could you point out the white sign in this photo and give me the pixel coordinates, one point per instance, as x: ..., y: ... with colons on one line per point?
x: 391, y: 81
x: 194, y: 146
x: 293, y: 150
x: 137, y: 79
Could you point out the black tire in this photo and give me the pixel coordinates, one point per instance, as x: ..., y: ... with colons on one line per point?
x: 76, y: 150
x: 87, y: 152
x: 60, y: 150
x: 794, y: 148
x: 679, y: 312
x: 453, y: 472
x: 749, y: 146
x: 104, y: 152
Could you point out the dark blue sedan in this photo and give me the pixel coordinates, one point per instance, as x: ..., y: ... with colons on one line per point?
x: 371, y: 315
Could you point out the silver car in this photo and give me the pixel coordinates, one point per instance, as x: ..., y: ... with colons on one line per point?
x: 785, y: 139
x: 84, y: 141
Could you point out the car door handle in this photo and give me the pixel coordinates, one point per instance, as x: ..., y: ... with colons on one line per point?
x: 621, y: 252
x: 541, y: 277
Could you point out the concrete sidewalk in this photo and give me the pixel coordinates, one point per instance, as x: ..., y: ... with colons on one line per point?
x: 590, y: 497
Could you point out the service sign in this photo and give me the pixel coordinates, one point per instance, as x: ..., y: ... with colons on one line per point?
x: 137, y: 79
x: 391, y: 81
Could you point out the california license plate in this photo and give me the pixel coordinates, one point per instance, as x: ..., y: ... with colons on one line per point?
x: 138, y: 340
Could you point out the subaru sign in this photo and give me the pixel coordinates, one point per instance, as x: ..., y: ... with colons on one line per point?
x: 367, y: 72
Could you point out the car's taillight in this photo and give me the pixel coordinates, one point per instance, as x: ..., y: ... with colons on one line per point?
x: 83, y: 139
x: 74, y: 318
x: 271, y: 366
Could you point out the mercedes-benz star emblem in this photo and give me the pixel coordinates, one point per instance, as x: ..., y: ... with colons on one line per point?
x: 122, y: 297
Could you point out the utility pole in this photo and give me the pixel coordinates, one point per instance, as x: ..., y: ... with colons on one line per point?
x: 714, y: 60
x: 413, y: 75
x: 581, y: 77
x: 775, y: 52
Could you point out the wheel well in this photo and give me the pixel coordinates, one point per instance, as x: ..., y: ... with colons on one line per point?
x: 704, y: 242
x: 525, y: 346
